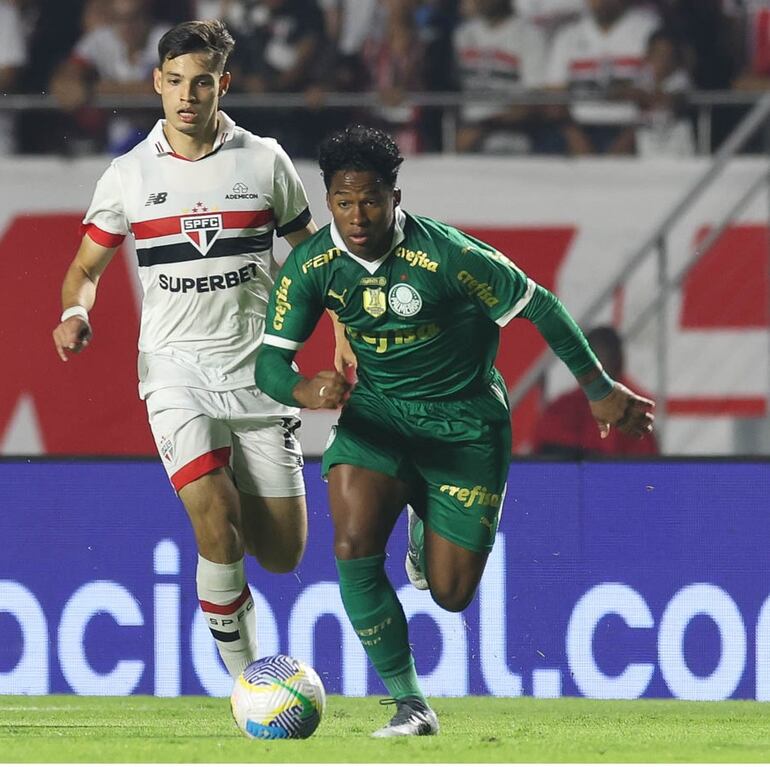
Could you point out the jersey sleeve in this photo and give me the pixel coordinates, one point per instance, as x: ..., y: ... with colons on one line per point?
x: 105, y: 221
x: 290, y: 204
x: 488, y: 278
x: 295, y: 306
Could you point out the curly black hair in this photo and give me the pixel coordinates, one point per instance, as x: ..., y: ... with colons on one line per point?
x: 359, y: 147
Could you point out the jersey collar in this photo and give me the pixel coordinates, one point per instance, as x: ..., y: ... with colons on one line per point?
x: 225, y: 132
x: 373, y: 266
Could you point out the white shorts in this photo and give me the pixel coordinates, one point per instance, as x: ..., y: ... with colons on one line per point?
x: 197, y: 431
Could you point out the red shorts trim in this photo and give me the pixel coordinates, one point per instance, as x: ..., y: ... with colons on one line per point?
x: 100, y: 237
x: 210, y: 607
x: 199, y: 466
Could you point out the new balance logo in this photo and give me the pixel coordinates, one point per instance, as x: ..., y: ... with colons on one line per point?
x: 156, y: 198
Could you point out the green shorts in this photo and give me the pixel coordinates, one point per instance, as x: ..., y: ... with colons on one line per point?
x: 456, y: 453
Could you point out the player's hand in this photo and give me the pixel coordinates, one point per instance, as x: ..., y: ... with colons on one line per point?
x: 327, y: 389
x: 623, y: 408
x: 345, y: 361
x: 72, y: 335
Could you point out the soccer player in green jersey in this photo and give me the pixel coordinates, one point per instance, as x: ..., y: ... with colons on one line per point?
x: 427, y: 422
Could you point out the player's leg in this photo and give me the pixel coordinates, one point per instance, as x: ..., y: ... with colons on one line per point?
x: 365, y: 505
x: 195, y: 448
x: 267, y: 465
x: 455, y: 571
x: 275, y: 530
x: 465, y: 480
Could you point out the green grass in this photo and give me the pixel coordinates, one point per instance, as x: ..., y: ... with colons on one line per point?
x: 143, y: 729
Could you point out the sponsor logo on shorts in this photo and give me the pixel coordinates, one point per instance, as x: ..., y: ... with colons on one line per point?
x: 290, y: 424
x: 166, y: 449
x: 478, y: 495
x: 404, y: 300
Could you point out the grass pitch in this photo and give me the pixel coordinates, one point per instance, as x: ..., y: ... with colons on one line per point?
x: 144, y: 729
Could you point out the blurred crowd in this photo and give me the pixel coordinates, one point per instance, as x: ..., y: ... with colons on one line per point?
x: 629, y: 65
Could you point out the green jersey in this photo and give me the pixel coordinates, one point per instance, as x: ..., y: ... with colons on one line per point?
x: 423, y: 321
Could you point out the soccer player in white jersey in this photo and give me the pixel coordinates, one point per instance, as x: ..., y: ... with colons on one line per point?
x: 203, y: 199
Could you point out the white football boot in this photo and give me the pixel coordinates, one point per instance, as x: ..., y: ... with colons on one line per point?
x: 412, y: 562
x: 413, y: 717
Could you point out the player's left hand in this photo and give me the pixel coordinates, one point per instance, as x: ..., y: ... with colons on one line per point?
x: 623, y: 408
x: 327, y: 389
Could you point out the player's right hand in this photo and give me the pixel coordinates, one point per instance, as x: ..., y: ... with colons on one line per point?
x: 327, y: 389
x: 71, y: 336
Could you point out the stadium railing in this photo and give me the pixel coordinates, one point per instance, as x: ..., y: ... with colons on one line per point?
x: 702, y: 105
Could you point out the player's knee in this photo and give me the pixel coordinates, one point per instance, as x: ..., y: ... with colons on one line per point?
x: 454, y: 600
x: 277, y: 559
x: 350, y: 544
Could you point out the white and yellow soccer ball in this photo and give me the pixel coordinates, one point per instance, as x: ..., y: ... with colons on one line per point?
x: 278, y: 697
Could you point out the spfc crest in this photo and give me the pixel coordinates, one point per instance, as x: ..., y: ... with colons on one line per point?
x: 202, y: 230
x: 374, y: 301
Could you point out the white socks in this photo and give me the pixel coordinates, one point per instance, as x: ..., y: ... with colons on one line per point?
x: 228, y: 608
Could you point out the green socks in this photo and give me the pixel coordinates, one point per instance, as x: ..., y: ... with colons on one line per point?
x: 378, y: 618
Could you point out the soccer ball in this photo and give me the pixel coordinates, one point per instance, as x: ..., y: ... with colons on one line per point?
x: 278, y: 697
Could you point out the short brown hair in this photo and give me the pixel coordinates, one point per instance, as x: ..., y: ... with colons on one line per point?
x: 210, y: 37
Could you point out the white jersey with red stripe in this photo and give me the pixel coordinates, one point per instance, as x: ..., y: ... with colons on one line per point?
x: 501, y: 58
x: 204, y: 245
x: 588, y: 60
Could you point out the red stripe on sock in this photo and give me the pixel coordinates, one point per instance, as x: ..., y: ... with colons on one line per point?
x: 210, y: 607
x: 199, y: 466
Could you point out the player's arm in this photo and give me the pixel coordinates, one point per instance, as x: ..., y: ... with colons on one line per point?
x: 611, y: 402
x: 275, y: 375
x: 503, y: 292
x: 78, y: 295
x: 294, y: 308
x: 345, y: 361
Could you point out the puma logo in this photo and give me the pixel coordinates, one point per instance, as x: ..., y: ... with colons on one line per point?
x: 340, y: 298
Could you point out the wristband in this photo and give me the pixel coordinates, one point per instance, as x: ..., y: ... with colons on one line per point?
x: 599, y: 388
x: 74, y: 311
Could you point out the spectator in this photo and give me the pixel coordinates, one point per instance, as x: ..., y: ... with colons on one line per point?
x: 282, y: 50
x: 664, y: 128
x: 114, y: 59
x: 13, y: 56
x: 348, y: 24
x: 752, y: 19
x: 567, y: 429
x: 285, y: 38
x: 601, y: 55
x: 394, y: 62
x: 550, y: 15
x: 710, y: 31
x: 499, y: 55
